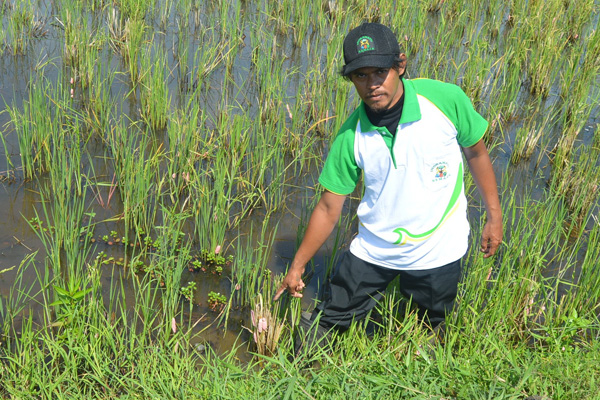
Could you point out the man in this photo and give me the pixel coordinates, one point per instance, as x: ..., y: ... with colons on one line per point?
x: 405, y: 139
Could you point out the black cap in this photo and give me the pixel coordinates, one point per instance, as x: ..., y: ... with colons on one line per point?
x: 370, y: 45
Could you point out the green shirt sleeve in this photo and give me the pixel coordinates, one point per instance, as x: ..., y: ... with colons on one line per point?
x: 471, y: 126
x: 340, y: 173
x: 457, y: 106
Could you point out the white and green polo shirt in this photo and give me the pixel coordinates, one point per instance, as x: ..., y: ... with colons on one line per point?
x: 413, y: 213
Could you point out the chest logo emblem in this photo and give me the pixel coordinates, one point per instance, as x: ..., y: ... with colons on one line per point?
x: 439, y: 172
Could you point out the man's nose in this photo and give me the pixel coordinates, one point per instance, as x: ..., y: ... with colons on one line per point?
x: 374, y: 81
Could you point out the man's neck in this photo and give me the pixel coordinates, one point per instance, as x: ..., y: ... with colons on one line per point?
x: 388, y: 118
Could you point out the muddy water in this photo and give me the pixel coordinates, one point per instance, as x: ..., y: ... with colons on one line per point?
x: 19, y: 199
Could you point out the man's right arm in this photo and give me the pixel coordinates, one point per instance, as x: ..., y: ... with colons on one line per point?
x: 322, y: 221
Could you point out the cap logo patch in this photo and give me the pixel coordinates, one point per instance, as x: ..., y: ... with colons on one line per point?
x: 364, y: 43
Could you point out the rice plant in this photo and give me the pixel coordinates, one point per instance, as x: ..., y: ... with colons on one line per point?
x: 23, y: 26
x: 181, y: 50
x: 35, y: 126
x: 214, y: 195
x: 577, y: 184
x: 81, y: 43
x: 136, y: 10
x: 98, y: 102
x: 250, y: 275
x: 154, y: 92
x: 128, y: 37
x: 529, y: 137
x: 185, y: 144
x: 586, y: 290
x: 136, y: 163
x: 548, y: 43
x: 64, y: 210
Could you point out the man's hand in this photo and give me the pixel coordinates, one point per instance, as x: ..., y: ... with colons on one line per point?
x: 491, y: 238
x: 293, y: 283
x: 322, y: 221
x: 482, y: 171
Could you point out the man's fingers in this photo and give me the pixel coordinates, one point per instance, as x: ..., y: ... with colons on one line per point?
x: 491, y: 239
x: 485, y: 245
x: 293, y: 290
x: 489, y: 248
x: 292, y: 293
x: 278, y: 293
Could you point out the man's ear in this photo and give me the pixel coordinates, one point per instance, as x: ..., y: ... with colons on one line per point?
x: 402, y: 68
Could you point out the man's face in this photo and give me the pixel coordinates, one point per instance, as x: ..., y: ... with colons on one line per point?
x: 379, y: 88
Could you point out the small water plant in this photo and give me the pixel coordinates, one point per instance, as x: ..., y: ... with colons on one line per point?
x: 71, y: 295
x: 211, y: 262
x: 216, y: 301
x: 188, y: 291
x: 38, y: 225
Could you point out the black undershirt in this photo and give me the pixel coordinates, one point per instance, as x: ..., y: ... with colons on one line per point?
x: 388, y: 118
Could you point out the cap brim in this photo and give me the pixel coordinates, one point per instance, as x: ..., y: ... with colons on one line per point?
x: 373, y: 61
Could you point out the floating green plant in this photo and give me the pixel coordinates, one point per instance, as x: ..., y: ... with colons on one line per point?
x: 188, y: 291
x: 211, y: 261
x: 216, y: 301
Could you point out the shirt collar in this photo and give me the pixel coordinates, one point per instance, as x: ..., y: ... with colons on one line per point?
x: 410, y: 112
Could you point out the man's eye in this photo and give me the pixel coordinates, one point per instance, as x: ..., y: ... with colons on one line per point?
x: 382, y: 71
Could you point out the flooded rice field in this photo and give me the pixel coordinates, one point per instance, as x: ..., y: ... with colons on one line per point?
x: 170, y: 150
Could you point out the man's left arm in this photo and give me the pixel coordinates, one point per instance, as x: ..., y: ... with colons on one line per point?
x: 482, y: 171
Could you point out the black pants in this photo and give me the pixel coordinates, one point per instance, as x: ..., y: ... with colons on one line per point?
x: 357, y: 285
